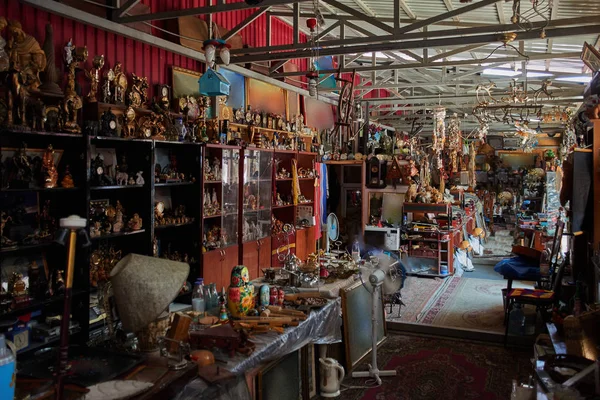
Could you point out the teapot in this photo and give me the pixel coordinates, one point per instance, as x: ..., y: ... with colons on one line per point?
x: 332, y: 375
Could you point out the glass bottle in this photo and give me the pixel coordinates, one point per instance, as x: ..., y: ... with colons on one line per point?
x: 198, y: 300
x: 356, y: 251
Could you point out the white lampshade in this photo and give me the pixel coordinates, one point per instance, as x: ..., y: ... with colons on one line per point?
x: 312, y: 87
x: 224, y: 54
x: 209, y: 52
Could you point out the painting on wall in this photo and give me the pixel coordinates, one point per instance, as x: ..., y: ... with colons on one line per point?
x: 185, y: 82
x: 293, y: 104
x: 263, y: 96
x: 319, y: 115
x: 237, y: 94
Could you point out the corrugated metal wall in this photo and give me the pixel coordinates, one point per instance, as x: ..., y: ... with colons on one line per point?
x: 141, y: 59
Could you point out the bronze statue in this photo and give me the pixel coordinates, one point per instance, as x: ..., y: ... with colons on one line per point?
x: 4, y: 60
x: 17, y: 97
x: 25, y: 55
x: 49, y: 169
x: 94, y: 76
x: 72, y: 104
x: 138, y: 95
x: 50, y: 86
x: 120, y: 82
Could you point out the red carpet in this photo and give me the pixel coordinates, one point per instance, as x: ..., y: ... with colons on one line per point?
x: 442, y: 369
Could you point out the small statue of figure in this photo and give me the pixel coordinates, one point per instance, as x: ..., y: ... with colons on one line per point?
x: 118, y: 224
x: 67, y: 180
x: 16, y: 285
x: 49, y: 169
x: 216, y: 169
x: 138, y: 96
x: 4, y: 219
x: 139, y: 180
x: 94, y: 76
x: 69, y: 47
x: 109, y: 77
x: 120, y: 84
x: 214, y: 200
x: 135, y: 223
x: 72, y: 103
x: 26, y: 55
x: 131, y: 180
x: 4, y: 60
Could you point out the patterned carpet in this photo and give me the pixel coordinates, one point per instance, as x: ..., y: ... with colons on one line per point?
x: 470, y: 303
x: 436, y: 369
x: 417, y: 294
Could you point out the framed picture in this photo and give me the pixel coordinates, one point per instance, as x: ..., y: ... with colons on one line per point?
x: 591, y: 57
x: 265, y: 97
x: 280, y: 379
x: 308, y: 370
x: 356, y: 314
x: 21, y: 264
x: 511, y: 143
x: 185, y: 82
x: 237, y: 96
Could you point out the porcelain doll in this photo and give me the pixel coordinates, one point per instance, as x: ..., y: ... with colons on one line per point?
x: 264, y: 295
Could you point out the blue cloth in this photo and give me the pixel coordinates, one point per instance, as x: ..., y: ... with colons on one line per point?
x: 518, y: 268
x: 324, y: 193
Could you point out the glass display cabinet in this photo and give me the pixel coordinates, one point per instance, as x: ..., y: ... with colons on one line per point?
x: 220, y: 210
x: 256, y: 205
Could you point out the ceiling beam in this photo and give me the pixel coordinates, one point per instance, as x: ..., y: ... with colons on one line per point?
x: 430, y: 34
x: 550, y: 42
x: 492, y: 62
x: 407, y: 10
x: 500, y: 11
x: 417, y: 44
x: 247, y: 21
x: 447, y: 15
x: 458, y: 50
x: 366, y: 18
x: 364, y: 7
x: 125, y: 8
x: 212, y: 9
x: 469, y: 95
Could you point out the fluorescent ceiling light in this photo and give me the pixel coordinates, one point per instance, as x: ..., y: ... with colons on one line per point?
x: 510, y: 73
x: 499, y: 72
x: 579, y: 79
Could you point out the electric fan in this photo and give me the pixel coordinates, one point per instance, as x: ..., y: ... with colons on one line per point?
x: 333, y: 232
x: 383, y: 280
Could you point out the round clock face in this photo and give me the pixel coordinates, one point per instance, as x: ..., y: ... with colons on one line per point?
x: 165, y: 91
x: 99, y: 170
x: 280, y: 123
x: 112, y: 124
x: 130, y: 114
x: 122, y: 81
x: 239, y: 115
x: 374, y: 169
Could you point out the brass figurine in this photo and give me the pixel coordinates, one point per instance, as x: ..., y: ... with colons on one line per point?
x: 4, y: 60
x: 94, y: 76
x: 26, y: 56
x: 50, y: 86
x: 130, y: 125
x: 109, y: 77
x: 67, y: 180
x: 138, y: 95
x: 49, y: 169
x: 120, y: 84
x: 71, y: 105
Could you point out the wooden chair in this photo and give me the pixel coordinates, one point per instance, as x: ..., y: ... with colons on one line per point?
x: 540, y: 298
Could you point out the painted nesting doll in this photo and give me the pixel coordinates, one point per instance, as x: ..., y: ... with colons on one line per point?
x: 264, y: 295
x: 240, y: 297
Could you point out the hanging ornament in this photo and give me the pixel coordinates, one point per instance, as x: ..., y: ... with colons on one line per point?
x: 313, y: 77
x: 472, y: 177
x: 394, y: 173
x: 439, y: 128
x: 209, y: 51
x: 224, y: 54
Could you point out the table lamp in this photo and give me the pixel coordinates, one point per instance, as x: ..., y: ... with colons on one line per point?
x: 144, y: 287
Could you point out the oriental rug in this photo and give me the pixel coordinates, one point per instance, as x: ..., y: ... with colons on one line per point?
x: 417, y: 295
x: 441, y: 369
x: 470, y: 303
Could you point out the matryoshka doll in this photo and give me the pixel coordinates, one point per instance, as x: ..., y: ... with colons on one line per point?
x: 264, y: 295
x: 240, y: 298
x: 273, y: 296
x: 280, y: 297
